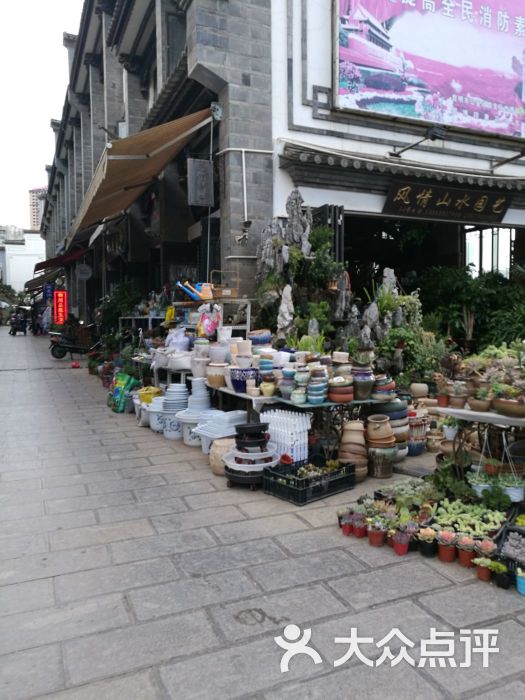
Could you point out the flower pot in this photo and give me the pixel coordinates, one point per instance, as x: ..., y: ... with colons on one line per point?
x: 520, y: 584
x: 515, y: 493
x: 400, y: 548
x: 376, y: 537
x: 428, y: 549
x: 360, y: 531
x: 480, y: 488
x: 449, y: 432
x: 465, y: 558
x: 483, y: 573
x: 347, y: 528
x: 442, y: 400
x: 502, y: 580
x: 446, y: 552
x: 457, y: 401
x: 479, y: 404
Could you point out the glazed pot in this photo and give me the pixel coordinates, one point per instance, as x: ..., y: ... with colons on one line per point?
x: 218, y: 353
x: 267, y: 388
x: 376, y: 538
x: 362, y: 388
x: 302, y: 376
x: 199, y: 365
x: 446, y: 552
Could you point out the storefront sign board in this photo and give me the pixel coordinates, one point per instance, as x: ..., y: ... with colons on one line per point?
x: 59, y: 307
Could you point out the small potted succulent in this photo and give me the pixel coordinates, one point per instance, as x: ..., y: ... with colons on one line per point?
x: 520, y: 581
x: 427, y: 541
x: 377, y: 528
x: 442, y: 389
x: 400, y: 542
x: 481, y: 400
x: 347, y: 525
x: 485, y: 547
x: 341, y: 513
x: 483, y: 571
x: 458, y: 395
x: 450, y: 427
x: 465, y: 546
x: 359, y: 524
x: 446, y: 545
x: 501, y: 574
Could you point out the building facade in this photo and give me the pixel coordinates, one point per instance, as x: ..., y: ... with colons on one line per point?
x: 299, y: 85
x: 20, y: 251
x: 37, y: 197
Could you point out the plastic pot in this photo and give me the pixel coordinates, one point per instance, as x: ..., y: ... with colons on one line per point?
x: 360, y: 531
x: 347, y: 528
x: 465, y: 558
x: 446, y: 552
x: 502, y: 580
x: 428, y: 549
x: 376, y: 537
x: 520, y: 584
x: 483, y: 573
x: 400, y: 548
x: 442, y: 400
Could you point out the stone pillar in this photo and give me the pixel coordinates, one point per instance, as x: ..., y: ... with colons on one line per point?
x: 135, y: 104
x: 162, y: 41
x: 113, y: 84
x: 79, y: 178
x: 229, y: 51
x: 96, y: 94
x: 87, y: 153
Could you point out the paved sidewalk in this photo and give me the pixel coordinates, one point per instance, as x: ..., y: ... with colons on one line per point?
x: 129, y: 572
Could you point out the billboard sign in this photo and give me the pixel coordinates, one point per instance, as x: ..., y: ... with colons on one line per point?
x: 460, y: 63
x: 59, y: 307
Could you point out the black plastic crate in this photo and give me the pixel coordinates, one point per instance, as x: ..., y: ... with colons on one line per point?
x: 281, y: 481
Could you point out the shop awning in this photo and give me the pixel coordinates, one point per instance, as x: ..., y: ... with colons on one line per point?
x: 60, y: 260
x: 38, y: 282
x: 129, y: 165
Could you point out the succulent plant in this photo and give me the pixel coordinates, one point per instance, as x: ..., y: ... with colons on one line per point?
x: 514, y: 547
x: 447, y: 537
x: 465, y: 542
x: 485, y: 547
x: 427, y: 534
x: 482, y: 561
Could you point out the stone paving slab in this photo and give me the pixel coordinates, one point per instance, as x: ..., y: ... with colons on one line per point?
x: 138, y: 686
x: 195, y: 519
x: 30, y: 673
x: 22, y: 597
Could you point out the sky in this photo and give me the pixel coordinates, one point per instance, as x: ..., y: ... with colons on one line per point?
x: 34, y: 77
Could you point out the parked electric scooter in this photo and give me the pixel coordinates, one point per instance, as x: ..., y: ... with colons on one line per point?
x: 62, y: 344
x: 18, y: 324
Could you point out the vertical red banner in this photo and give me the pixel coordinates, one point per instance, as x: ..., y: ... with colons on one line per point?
x: 59, y: 307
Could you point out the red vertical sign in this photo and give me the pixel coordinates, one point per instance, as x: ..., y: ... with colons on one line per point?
x: 59, y: 307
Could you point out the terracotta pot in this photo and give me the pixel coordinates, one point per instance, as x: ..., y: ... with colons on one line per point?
x: 484, y: 573
x: 376, y: 537
x: 360, y: 531
x: 446, y: 552
x: 465, y: 558
x: 442, y: 400
x: 457, y: 401
x: 479, y: 404
x: 400, y: 548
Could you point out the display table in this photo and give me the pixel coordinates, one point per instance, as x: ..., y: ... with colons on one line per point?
x: 257, y: 402
x: 487, y: 417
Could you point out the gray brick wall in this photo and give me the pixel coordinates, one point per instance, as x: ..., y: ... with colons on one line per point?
x: 229, y: 49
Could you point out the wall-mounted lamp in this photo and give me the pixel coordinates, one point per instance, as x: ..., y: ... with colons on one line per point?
x: 432, y: 134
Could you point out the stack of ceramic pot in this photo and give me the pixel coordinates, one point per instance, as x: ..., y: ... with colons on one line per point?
x: 353, y: 448
x: 341, y: 389
x: 252, y: 453
x: 363, y: 380
x: 200, y: 398
x: 287, y: 383
x: 397, y: 412
x: 384, y: 388
x: 417, y: 440
x: 382, y: 449
x: 317, y: 387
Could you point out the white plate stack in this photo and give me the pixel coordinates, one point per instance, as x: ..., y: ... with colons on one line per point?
x: 200, y: 398
x: 176, y: 398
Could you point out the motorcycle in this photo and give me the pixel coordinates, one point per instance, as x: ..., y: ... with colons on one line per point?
x: 62, y: 344
x: 18, y: 324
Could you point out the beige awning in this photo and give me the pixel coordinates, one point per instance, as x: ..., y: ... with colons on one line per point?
x: 38, y: 282
x: 128, y: 166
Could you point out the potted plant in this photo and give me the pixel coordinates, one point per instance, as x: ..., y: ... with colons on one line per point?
x: 442, y: 389
x: 492, y: 466
x: 520, y: 581
x: 481, y: 400
x: 465, y: 546
x: 376, y: 531
x: 347, y: 525
x: 446, y: 545
x: 450, y: 427
x: 513, y: 486
x: 341, y: 512
x: 427, y: 541
x: 479, y: 482
x: 483, y: 571
x: 485, y: 547
x: 359, y: 521
x: 458, y: 395
x: 501, y: 574
x: 400, y: 542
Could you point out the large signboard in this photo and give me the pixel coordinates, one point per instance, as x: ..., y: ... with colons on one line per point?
x: 460, y: 63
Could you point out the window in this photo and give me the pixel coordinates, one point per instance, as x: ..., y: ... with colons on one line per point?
x: 489, y: 249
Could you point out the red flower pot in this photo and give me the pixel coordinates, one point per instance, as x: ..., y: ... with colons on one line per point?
x: 360, y: 531
x: 390, y: 541
x: 347, y: 528
x: 484, y: 574
x: 442, y: 400
x: 376, y: 537
x: 465, y: 558
x: 446, y: 552
x: 401, y: 548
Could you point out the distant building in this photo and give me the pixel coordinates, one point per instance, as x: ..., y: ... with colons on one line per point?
x: 20, y: 250
x: 37, y: 198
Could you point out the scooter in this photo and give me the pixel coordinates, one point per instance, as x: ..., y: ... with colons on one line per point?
x: 18, y: 325
x: 61, y: 345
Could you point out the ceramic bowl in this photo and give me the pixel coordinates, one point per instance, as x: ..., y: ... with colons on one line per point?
x: 288, y: 373
x: 315, y: 400
x: 244, y: 361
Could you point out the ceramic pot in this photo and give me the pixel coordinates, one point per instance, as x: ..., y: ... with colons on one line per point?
x: 378, y: 428
x: 218, y: 449
x: 376, y: 538
x: 298, y: 396
x: 457, y: 401
x: 267, y: 388
x: 354, y: 425
x: 442, y: 400
x: 449, y: 432
x: 302, y: 376
x: 419, y: 390
x: 446, y: 552
x: 479, y: 404
x: 172, y: 428
x: 218, y: 353
x: 199, y: 365
x: 362, y: 388
x: 201, y: 348
x: 244, y: 347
